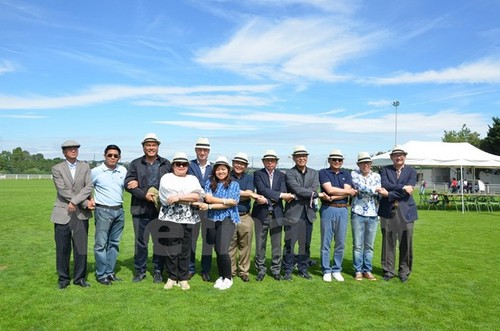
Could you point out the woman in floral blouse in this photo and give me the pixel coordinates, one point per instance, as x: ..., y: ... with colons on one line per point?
x: 178, y: 191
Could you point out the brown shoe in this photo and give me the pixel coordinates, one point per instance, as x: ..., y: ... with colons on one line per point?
x: 369, y: 275
x: 358, y: 276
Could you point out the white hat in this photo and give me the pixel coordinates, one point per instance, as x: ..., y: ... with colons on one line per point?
x: 300, y: 150
x: 202, y: 143
x: 241, y: 157
x: 364, y: 157
x: 180, y: 157
x: 150, y: 137
x: 398, y: 149
x: 270, y: 154
x: 336, y: 154
x: 222, y: 160
x: 70, y: 143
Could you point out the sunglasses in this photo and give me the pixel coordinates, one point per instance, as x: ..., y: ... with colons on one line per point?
x: 185, y: 165
x: 336, y: 160
x: 116, y: 156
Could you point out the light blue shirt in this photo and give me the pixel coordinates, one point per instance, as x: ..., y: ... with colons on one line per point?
x: 108, y: 184
x: 232, y: 192
x: 365, y: 203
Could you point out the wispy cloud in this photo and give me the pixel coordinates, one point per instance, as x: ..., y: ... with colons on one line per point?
x: 6, y: 66
x: 28, y: 116
x: 291, y: 49
x: 108, y: 93
x: 482, y: 71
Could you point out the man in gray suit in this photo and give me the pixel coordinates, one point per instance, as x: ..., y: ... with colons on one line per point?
x: 300, y: 213
x: 71, y: 213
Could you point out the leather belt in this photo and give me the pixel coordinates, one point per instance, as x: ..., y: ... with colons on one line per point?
x: 109, y: 207
x: 339, y: 205
x: 243, y: 213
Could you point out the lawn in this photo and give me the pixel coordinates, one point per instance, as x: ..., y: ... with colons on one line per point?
x: 453, y: 285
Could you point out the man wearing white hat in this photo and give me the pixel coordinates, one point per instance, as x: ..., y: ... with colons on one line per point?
x: 71, y: 213
x: 241, y: 244
x: 364, y: 218
x: 337, y: 184
x: 300, y: 213
x: 144, y: 173
x: 268, y: 217
x: 397, y: 212
x: 201, y: 168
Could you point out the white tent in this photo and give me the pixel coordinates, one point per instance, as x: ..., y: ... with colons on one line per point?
x: 442, y: 154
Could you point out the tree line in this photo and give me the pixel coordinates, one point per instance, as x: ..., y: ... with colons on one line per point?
x: 20, y: 161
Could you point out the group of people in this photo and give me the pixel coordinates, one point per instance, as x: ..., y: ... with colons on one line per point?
x: 173, y: 202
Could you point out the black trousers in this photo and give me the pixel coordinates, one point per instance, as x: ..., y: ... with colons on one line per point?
x: 221, y: 236
x: 71, y: 236
x: 300, y: 233
x: 176, y: 243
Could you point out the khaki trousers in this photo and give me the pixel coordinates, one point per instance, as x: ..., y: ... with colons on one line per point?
x: 241, y: 243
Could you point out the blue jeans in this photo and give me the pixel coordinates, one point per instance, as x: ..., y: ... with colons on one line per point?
x: 364, y: 230
x: 109, y: 225
x: 333, y: 226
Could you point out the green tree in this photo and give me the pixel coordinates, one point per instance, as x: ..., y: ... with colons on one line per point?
x: 491, y: 143
x: 463, y: 136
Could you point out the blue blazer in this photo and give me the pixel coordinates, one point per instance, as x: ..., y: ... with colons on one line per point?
x: 394, y: 186
x: 194, y: 169
x: 262, y: 185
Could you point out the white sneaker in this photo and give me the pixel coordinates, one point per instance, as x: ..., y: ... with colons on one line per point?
x: 184, y: 285
x: 327, y: 277
x: 338, y: 277
x: 218, y: 282
x: 169, y: 284
x: 226, y: 283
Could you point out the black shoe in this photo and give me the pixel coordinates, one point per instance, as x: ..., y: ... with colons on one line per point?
x: 387, y: 277
x: 403, y: 279
x: 245, y: 278
x: 104, y: 281
x: 82, y: 283
x: 157, y: 277
x: 277, y: 277
x: 139, y: 277
x: 260, y: 276
x: 288, y: 276
x: 205, y: 277
x: 63, y: 285
x: 113, y: 278
x: 305, y: 275
x: 312, y: 262
x: 191, y: 275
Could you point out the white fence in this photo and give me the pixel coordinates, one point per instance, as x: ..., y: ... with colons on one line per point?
x: 25, y: 176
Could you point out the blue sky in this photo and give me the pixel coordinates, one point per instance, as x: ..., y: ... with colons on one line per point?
x: 250, y: 75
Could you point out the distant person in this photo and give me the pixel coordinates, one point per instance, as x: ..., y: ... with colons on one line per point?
x: 71, y: 213
x: 336, y: 183
x: 108, y: 180
x: 364, y: 218
x: 143, y: 178
x: 240, y: 248
x: 201, y: 168
x: 300, y: 213
x: 268, y: 217
x: 454, y: 185
x: 466, y: 186
x: 398, y: 213
x: 434, y: 198
x: 423, y: 184
x: 221, y: 200
x: 178, y: 191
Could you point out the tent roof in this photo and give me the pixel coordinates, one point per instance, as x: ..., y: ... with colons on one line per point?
x: 442, y: 154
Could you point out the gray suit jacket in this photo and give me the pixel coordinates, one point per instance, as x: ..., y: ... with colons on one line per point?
x: 76, y: 191
x: 304, y: 187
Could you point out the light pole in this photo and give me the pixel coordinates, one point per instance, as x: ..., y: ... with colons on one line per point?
x: 396, y: 104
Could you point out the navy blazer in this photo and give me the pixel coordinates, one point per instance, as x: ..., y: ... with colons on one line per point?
x: 194, y: 169
x: 262, y: 185
x: 394, y: 186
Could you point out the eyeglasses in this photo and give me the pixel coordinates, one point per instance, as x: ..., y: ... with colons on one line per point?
x: 181, y: 165
x: 336, y: 160
x: 116, y: 156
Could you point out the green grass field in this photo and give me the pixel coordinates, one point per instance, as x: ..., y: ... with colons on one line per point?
x: 453, y: 285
